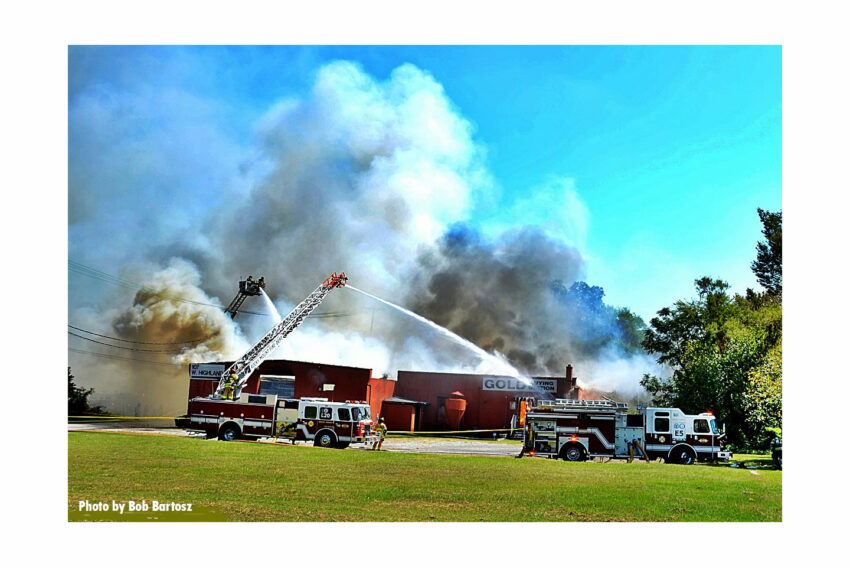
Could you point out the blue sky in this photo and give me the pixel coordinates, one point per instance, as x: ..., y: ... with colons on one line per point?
x: 669, y: 149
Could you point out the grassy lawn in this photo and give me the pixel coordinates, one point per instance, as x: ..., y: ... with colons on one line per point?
x: 264, y: 482
x: 758, y: 461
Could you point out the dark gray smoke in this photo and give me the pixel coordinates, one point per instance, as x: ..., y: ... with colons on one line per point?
x: 359, y: 175
x: 519, y: 294
x: 498, y: 294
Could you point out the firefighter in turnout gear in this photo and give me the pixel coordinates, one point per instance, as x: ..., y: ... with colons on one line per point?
x: 381, y: 430
x: 230, y: 385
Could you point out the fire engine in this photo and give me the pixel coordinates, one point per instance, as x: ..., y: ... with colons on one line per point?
x: 327, y: 424
x: 576, y: 430
x: 228, y: 413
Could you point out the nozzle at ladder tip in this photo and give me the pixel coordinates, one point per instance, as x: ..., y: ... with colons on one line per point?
x: 335, y: 280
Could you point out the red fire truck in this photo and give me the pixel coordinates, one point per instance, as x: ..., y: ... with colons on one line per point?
x: 230, y: 413
x: 327, y: 424
x: 576, y: 430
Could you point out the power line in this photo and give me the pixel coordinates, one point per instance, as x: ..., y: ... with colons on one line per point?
x: 124, y: 348
x: 104, y: 355
x: 103, y: 276
x: 137, y: 342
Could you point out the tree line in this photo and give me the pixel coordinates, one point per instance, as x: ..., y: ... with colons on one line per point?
x: 725, y: 351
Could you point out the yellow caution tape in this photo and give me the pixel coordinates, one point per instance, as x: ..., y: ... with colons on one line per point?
x: 123, y: 417
x: 117, y: 417
x: 452, y: 432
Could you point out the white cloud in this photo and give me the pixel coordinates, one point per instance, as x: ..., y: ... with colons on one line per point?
x: 554, y: 206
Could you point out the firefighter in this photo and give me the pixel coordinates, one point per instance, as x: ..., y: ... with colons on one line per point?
x: 634, y: 444
x: 381, y: 430
x: 229, y: 385
x: 262, y: 282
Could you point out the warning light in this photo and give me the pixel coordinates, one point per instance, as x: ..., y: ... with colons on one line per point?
x: 573, y: 438
x: 531, y: 453
x: 709, y: 412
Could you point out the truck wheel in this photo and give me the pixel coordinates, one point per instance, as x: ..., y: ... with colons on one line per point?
x: 682, y: 456
x: 572, y: 453
x: 229, y: 432
x: 325, y: 439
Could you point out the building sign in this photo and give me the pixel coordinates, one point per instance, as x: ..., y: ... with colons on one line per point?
x: 206, y: 370
x: 517, y: 385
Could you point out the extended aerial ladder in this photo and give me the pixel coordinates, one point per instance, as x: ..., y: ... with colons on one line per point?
x: 266, y: 345
x: 246, y: 288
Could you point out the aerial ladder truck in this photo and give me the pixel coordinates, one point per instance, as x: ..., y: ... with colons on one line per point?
x: 229, y: 413
x: 249, y: 361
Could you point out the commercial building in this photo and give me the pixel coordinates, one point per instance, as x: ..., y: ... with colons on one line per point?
x: 488, y: 402
x: 417, y: 401
x: 292, y: 379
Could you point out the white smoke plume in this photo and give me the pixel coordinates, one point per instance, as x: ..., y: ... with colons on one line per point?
x: 363, y: 174
x: 359, y: 175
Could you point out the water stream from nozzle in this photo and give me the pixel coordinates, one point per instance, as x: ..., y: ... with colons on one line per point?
x: 501, y: 364
x: 270, y: 306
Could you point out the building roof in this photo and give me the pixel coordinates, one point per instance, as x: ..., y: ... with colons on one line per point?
x: 404, y: 401
x: 472, y: 375
x: 304, y: 362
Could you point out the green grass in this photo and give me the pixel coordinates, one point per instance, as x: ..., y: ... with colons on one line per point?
x: 264, y: 482
x: 753, y: 460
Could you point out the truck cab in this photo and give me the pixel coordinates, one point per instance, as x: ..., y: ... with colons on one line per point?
x: 681, y: 438
x: 334, y: 424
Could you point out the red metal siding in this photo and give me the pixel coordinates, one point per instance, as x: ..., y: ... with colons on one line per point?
x: 485, y: 409
x: 399, y: 417
x: 201, y: 387
x: 378, y: 390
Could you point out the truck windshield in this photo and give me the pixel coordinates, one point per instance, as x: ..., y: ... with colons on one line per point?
x: 360, y: 412
x: 713, y: 426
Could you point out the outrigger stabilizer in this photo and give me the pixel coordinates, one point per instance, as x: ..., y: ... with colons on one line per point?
x: 266, y: 345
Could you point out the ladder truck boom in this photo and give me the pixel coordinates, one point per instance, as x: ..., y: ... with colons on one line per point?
x: 266, y: 345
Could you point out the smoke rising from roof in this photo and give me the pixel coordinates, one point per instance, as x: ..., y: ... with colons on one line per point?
x: 376, y: 178
x: 158, y: 316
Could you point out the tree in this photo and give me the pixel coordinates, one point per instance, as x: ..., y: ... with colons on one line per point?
x: 632, y: 330
x: 78, y: 398
x: 768, y: 263
x: 725, y: 353
x: 702, y: 320
x: 763, y: 398
x: 598, y: 325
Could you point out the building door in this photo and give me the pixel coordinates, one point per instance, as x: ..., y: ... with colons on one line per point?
x: 442, y: 419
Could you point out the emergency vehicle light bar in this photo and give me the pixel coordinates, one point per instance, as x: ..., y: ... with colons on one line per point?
x: 582, y: 403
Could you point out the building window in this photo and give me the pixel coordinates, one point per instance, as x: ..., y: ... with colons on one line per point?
x: 344, y: 414
x: 701, y: 426
x: 662, y: 425
x: 280, y: 386
x: 310, y: 412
